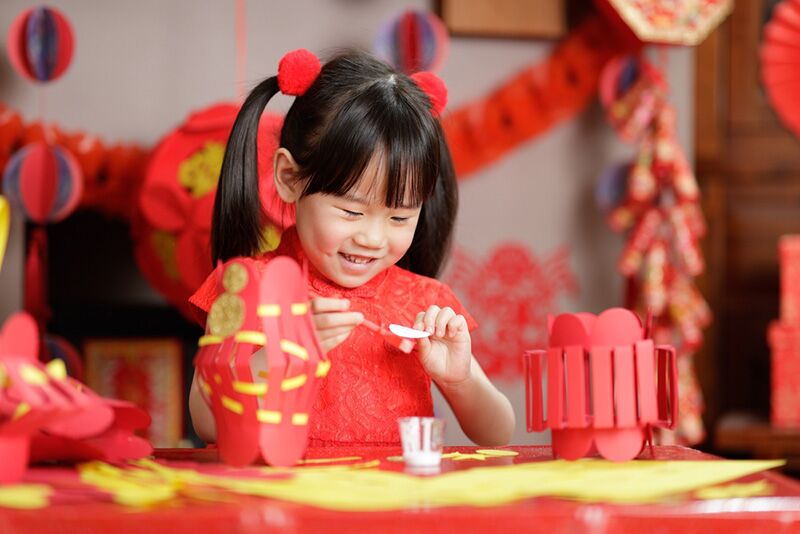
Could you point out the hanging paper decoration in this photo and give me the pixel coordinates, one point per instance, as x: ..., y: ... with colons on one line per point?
x: 44, y: 182
x: 533, y: 101
x: 780, y: 62
x: 43, y: 409
x: 266, y: 415
x: 604, y: 385
x: 414, y: 41
x: 677, y: 22
x: 662, y: 215
x: 172, y: 228
x: 510, y: 294
x: 40, y: 44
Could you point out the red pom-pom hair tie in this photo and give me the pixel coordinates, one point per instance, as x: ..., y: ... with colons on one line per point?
x: 297, y: 70
x: 434, y: 87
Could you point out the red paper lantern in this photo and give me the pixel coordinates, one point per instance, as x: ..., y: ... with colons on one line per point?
x: 44, y: 182
x: 172, y: 226
x: 40, y: 44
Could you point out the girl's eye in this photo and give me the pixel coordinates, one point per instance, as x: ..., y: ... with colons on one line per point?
x: 400, y: 219
x: 352, y: 213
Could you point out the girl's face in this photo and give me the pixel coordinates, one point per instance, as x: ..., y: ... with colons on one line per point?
x: 351, y: 238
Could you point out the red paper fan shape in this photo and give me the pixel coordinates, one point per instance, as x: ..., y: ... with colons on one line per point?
x: 780, y: 63
x: 172, y: 226
x: 40, y: 44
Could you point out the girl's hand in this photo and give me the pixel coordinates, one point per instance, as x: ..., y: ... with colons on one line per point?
x: 446, y: 355
x: 334, y: 323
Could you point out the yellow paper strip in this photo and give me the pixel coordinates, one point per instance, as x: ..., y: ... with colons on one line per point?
x: 25, y: 496
x: 5, y: 219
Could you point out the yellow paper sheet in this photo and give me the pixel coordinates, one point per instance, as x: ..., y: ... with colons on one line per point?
x: 25, y: 496
x: 349, y: 489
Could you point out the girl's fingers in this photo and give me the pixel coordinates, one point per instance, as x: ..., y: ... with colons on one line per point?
x: 325, y: 304
x: 456, y: 325
x: 418, y: 322
x: 333, y: 342
x: 329, y: 333
x: 429, y: 320
x: 442, y: 319
x: 333, y: 319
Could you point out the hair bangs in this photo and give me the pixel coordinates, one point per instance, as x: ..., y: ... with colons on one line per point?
x: 378, y: 123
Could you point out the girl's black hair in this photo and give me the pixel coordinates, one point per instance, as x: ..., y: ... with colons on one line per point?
x: 356, y: 108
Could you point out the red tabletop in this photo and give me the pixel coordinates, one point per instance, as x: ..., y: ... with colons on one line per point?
x: 777, y: 513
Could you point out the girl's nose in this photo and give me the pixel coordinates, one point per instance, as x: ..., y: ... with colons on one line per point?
x: 371, y: 234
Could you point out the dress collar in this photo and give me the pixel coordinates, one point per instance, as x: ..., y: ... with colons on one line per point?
x: 290, y: 246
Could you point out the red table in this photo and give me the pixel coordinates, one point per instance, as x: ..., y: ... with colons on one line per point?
x: 774, y: 514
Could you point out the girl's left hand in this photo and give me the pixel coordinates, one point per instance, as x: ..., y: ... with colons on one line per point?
x: 447, y: 354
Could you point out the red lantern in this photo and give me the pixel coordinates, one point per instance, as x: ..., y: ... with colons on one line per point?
x: 172, y: 226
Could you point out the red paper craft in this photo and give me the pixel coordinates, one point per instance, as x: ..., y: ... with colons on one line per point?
x: 268, y: 413
x: 780, y: 62
x: 40, y: 44
x: 41, y: 403
x: 606, y: 385
x: 173, y: 224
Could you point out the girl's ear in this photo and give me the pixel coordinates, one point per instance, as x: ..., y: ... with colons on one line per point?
x: 286, y: 173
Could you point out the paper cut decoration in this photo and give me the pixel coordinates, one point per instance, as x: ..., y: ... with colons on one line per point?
x: 40, y: 44
x: 42, y: 402
x: 145, y: 372
x: 602, y: 384
x: 268, y: 312
x: 780, y: 62
x: 681, y: 22
x: 510, y: 294
x: 173, y: 221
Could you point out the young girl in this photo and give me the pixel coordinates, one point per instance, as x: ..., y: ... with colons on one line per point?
x: 364, y: 163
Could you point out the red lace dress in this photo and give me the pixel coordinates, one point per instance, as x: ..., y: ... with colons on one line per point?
x: 370, y: 383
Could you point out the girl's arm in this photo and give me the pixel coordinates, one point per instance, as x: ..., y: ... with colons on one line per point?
x: 485, y: 414
x: 202, y: 418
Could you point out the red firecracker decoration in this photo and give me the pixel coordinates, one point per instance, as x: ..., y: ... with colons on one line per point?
x: 661, y: 213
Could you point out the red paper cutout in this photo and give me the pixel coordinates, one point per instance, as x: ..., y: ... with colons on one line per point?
x: 510, y: 294
x: 264, y: 413
x: 780, y: 59
x: 601, y: 385
x: 43, y: 408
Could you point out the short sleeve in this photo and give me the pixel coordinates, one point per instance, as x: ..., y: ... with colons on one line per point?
x: 446, y: 297
x: 202, y: 299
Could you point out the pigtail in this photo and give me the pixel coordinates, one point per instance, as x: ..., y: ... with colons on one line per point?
x: 236, y: 228
x: 434, y: 234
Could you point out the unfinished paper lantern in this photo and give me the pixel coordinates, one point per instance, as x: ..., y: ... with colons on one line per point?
x: 677, y: 22
x: 172, y: 226
x: 603, y: 383
x: 40, y: 44
x: 780, y: 63
x: 261, y: 320
x: 414, y: 41
x: 44, y: 182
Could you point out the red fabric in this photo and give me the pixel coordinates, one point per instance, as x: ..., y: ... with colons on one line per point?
x: 370, y: 383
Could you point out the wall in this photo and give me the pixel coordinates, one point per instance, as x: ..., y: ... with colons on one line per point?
x: 141, y: 67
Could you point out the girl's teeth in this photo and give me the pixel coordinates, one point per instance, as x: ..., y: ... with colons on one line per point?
x: 356, y: 260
